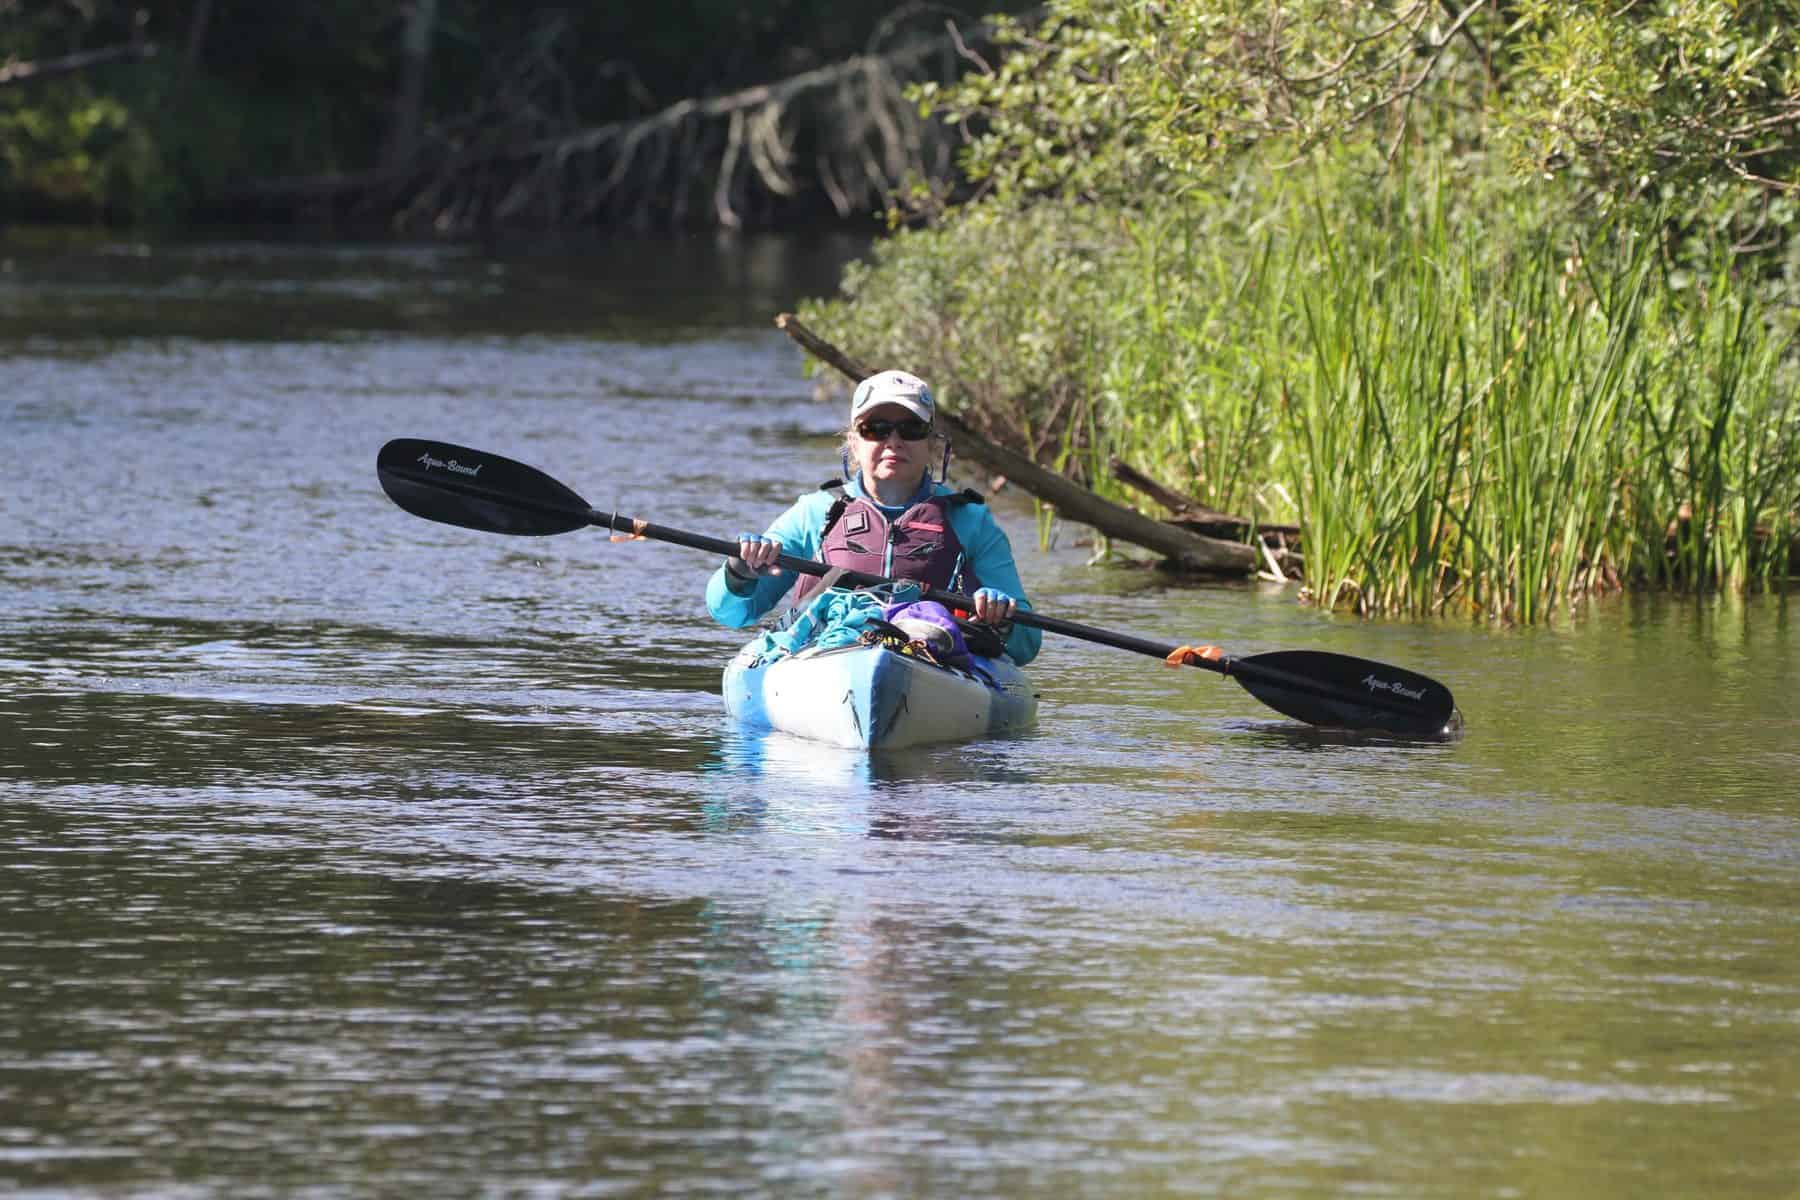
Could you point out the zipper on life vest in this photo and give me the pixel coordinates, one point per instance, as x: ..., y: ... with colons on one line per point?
x: 887, y: 553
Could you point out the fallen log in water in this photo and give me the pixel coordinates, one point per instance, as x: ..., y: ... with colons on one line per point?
x: 1184, y: 549
x: 1185, y: 510
x: 1279, y: 542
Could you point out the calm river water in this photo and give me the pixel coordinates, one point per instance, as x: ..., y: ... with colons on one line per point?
x: 342, y: 853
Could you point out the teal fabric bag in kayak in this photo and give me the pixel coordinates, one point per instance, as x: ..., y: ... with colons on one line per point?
x: 836, y: 616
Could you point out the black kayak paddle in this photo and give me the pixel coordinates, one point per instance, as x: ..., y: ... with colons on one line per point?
x: 478, y: 490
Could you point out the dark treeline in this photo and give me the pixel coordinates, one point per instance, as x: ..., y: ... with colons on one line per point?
x: 456, y: 115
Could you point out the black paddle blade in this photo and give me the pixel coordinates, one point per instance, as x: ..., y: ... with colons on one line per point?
x: 1342, y: 692
x: 477, y: 490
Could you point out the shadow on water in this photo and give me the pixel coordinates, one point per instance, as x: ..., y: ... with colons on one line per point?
x: 1286, y: 735
x: 94, y: 289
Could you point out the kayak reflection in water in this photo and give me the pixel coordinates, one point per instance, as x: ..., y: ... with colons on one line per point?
x: 888, y: 517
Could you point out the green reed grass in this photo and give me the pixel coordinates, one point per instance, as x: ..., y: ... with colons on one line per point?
x: 1506, y: 433
x: 1724, y: 453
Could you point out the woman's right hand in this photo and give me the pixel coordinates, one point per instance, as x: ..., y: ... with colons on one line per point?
x: 757, y: 555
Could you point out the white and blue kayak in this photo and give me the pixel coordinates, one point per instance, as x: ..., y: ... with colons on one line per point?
x: 876, y: 697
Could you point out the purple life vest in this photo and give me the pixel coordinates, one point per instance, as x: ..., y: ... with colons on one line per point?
x: 924, y: 547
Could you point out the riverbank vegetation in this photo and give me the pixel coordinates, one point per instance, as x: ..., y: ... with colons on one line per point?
x: 1496, y: 301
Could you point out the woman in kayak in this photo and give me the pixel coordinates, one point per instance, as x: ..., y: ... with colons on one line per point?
x: 888, y: 517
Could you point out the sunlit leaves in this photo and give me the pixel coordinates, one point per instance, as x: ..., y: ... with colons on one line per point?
x: 1108, y: 96
x: 1630, y: 94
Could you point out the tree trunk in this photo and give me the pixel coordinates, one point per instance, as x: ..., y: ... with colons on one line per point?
x: 197, y: 26
x: 415, y: 50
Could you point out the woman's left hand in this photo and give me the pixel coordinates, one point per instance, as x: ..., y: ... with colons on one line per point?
x: 993, y: 606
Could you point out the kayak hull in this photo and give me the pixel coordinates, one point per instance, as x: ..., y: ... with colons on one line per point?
x: 875, y: 697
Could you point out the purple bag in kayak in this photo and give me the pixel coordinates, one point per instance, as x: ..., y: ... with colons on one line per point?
x: 929, y: 622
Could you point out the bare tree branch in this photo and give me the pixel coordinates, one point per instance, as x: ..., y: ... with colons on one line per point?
x: 845, y: 131
x: 14, y: 73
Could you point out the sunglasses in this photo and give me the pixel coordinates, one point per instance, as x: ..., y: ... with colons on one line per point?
x: 911, y: 429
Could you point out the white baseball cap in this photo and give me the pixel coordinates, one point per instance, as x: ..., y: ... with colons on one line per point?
x: 893, y: 387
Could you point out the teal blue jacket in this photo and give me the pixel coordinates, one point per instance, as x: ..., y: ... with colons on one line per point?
x: 801, y: 528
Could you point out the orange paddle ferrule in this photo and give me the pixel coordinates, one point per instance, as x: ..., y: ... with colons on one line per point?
x: 636, y: 534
